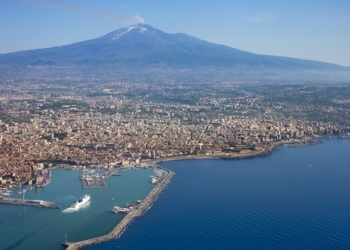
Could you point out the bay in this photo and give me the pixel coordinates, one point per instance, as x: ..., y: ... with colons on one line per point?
x: 295, y: 198
x: 37, y: 228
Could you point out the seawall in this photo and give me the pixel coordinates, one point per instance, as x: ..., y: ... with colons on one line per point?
x: 128, y: 218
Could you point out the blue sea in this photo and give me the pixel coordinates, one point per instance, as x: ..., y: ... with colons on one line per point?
x: 23, y: 228
x: 295, y: 198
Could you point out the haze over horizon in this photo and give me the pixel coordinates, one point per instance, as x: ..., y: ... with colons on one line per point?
x: 314, y: 30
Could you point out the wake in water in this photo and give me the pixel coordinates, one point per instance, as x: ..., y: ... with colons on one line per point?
x: 72, y: 210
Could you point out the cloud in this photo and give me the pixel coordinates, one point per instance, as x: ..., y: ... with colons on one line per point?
x: 81, y: 9
x: 263, y: 17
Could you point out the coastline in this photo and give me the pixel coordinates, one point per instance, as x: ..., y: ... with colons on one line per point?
x: 117, y: 231
x: 242, y: 155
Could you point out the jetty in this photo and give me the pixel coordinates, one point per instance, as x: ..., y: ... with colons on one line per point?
x: 129, y: 217
x: 97, y: 181
x: 30, y: 203
x: 89, y: 183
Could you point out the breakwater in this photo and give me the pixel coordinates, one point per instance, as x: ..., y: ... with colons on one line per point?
x: 30, y: 203
x: 128, y: 218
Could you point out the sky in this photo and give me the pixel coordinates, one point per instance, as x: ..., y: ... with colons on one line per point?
x: 307, y: 29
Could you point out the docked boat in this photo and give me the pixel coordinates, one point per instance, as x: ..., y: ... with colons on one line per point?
x: 154, y: 180
x: 80, y: 201
x: 117, y: 209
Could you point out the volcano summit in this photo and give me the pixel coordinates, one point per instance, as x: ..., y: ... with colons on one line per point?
x: 142, y: 47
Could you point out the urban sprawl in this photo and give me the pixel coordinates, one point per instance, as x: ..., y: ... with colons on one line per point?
x: 121, y: 124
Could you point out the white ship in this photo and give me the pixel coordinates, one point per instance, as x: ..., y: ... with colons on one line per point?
x: 80, y: 201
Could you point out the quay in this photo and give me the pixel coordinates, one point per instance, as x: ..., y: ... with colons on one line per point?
x: 30, y: 203
x: 100, y: 182
x: 93, y: 183
x: 128, y: 218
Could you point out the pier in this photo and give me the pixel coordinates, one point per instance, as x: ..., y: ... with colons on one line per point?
x: 128, y: 218
x: 30, y: 203
x: 98, y: 182
x: 93, y: 183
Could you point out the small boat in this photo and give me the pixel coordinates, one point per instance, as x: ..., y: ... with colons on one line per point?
x: 117, y: 209
x: 154, y: 180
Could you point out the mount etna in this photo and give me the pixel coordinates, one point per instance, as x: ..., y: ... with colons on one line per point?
x: 142, y: 48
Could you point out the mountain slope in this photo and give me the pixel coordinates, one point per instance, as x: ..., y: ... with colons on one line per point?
x: 143, y: 46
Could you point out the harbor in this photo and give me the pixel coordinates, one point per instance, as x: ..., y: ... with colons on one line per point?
x: 130, y: 216
x: 66, y: 188
x: 90, y: 179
